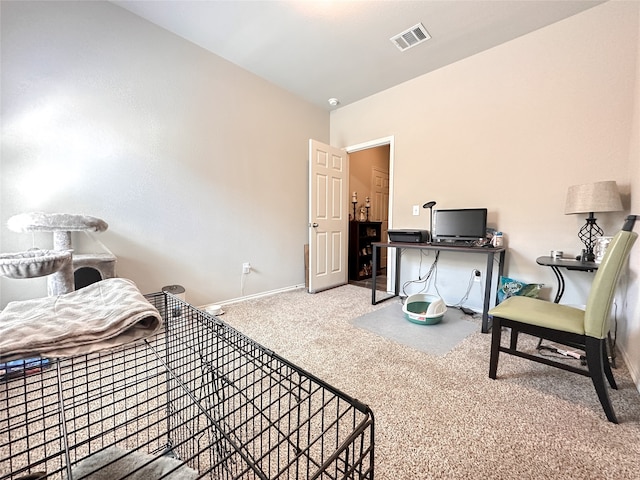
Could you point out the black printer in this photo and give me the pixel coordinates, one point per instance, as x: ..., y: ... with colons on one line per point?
x: 409, y: 236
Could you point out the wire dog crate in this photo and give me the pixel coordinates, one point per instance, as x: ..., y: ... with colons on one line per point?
x: 199, y: 400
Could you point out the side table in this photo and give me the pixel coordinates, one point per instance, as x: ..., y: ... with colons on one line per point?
x: 557, y: 263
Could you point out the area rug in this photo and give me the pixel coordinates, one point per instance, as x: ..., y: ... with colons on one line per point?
x: 438, y: 339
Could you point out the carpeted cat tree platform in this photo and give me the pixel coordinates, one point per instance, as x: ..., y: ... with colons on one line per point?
x: 61, y: 262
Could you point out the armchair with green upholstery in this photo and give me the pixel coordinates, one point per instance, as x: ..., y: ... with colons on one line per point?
x: 586, y: 329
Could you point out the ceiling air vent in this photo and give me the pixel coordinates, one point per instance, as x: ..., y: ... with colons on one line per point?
x: 411, y: 37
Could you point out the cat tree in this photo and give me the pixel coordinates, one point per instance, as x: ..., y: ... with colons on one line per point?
x: 61, y: 262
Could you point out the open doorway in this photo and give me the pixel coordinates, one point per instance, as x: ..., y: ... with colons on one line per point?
x: 330, y: 207
x: 369, y: 179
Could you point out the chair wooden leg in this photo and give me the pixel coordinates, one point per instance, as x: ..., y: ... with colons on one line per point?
x: 513, y: 343
x: 595, y: 362
x: 496, y: 337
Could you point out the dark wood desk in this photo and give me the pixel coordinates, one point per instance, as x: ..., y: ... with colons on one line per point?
x: 489, y: 252
x: 570, y: 264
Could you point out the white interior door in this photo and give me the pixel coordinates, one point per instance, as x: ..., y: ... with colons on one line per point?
x: 328, y: 216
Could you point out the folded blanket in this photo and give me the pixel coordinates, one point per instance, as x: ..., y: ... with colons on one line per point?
x: 114, y: 463
x: 101, y: 316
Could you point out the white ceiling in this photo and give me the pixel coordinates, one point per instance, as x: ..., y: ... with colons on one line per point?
x: 342, y: 49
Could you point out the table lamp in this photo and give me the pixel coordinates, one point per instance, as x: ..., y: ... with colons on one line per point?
x: 430, y: 206
x: 590, y: 198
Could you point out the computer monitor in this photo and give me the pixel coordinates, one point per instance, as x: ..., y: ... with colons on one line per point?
x: 466, y: 224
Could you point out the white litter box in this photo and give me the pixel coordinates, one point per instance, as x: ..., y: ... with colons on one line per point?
x: 424, y: 309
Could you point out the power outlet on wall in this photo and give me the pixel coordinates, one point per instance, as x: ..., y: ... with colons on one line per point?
x: 246, y: 267
x: 477, y: 275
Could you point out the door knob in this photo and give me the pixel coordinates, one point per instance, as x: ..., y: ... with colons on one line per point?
x: 315, y: 225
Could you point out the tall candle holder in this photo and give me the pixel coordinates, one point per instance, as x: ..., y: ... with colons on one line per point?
x: 367, y: 205
x: 354, y: 200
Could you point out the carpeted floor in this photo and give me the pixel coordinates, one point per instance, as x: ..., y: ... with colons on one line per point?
x: 441, y: 416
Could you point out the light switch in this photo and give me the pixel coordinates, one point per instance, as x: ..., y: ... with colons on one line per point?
x: 416, y: 209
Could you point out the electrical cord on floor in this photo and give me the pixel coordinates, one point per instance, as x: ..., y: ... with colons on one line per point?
x: 422, y: 280
x: 560, y: 353
x: 612, y: 341
x: 615, y: 327
x: 242, y: 279
x: 465, y: 297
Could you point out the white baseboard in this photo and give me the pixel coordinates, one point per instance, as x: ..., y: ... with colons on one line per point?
x: 635, y: 374
x: 254, y: 296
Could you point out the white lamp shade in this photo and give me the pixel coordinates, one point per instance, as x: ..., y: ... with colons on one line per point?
x: 593, y: 197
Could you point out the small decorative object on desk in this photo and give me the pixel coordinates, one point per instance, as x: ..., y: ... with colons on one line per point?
x: 498, y: 240
x: 601, y: 247
x: 488, y: 238
x: 367, y: 205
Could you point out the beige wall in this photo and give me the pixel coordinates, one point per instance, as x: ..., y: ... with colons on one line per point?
x: 196, y: 164
x: 630, y: 321
x: 510, y: 129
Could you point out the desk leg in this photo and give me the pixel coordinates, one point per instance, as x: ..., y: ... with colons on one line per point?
x: 486, y: 322
x: 374, y: 276
x: 500, y: 270
x: 398, y: 262
x: 560, y: 279
x: 487, y: 293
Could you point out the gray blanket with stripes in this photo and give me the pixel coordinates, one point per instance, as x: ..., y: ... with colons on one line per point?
x: 101, y: 316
